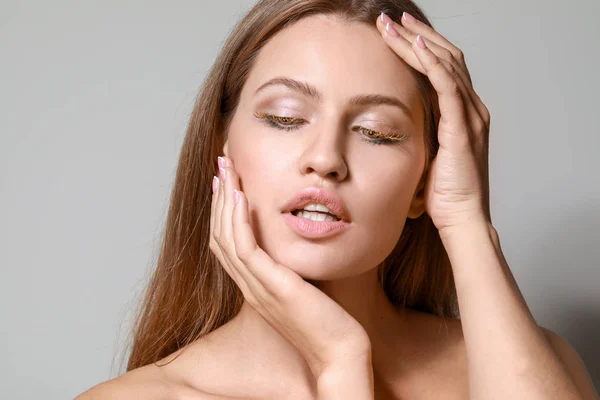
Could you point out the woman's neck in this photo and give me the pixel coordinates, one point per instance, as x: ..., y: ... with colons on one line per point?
x: 248, y: 340
x: 361, y: 296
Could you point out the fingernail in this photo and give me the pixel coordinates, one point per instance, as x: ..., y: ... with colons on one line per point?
x: 384, y: 18
x: 215, y: 184
x: 236, y: 196
x: 221, y: 162
x: 223, y: 174
x: 408, y: 18
x: 391, y: 30
x: 421, y: 42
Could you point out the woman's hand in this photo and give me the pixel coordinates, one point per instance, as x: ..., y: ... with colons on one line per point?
x: 324, y: 333
x: 457, y: 188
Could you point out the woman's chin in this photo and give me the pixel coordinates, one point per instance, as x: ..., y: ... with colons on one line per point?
x: 318, y: 267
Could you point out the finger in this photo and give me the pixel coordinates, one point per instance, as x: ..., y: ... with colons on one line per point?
x: 255, y: 284
x: 219, y: 207
x: 216, y: 205
x: 259, y: 289
x: 213, y: 203
x: 225, y: 237
x: 404, y: 49
x: 431, y: 34
x: 213, y: 216
x: 445, y: 50
x: 453, y: 120
x: 218, y: 235
x: 275, y: 278
x: 440, y: 51
x: 474, y: 119
x: 401, y: 46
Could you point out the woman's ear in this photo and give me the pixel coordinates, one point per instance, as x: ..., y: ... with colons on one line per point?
x: 226, y: 148
x: 417, y: 205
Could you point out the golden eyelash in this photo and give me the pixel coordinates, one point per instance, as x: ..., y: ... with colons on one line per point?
x: 375, y: 134
x: 371, y: 133
x: 275, y: 117
x: 285, y: 120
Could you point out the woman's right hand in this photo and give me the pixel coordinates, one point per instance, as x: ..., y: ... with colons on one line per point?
x: 324, y: 333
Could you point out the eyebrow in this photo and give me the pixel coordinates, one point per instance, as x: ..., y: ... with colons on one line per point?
x: 360, y: 100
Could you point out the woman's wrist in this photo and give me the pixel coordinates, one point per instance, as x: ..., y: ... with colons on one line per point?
x: 347, y: 379
x: 462, y: 232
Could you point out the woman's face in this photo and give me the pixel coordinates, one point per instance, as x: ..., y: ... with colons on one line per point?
x: 331, y: 147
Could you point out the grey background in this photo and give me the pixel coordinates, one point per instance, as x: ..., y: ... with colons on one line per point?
x: 94, y: 101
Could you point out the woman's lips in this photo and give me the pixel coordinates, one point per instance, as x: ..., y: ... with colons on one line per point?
x: 315, y: 195
x: 314, y: 229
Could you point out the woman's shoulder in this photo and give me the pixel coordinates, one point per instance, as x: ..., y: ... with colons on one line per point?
x: 146, y: 383
x: 138, y: 383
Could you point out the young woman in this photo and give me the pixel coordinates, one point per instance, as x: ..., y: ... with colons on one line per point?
x: 328, y: 250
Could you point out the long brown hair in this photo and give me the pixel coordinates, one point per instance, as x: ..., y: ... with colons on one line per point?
x: 189, y: 293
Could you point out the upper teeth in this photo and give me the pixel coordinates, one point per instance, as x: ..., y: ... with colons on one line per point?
x: 310, y: 212
x: 317, y: 207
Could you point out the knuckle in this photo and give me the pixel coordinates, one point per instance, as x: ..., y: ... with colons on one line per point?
x: 486, y: 116
x: 454, y: 89
x: 215, y: 242
x: 448, y: 55
x: 226, y: 250
x: 437, y: 63
x: 459, y: 55
x: 450, y: 69
x: 478, y: 125
x: 459, y: 70
x: 290, y: 284
x: 453, y: 69
x: 244, y: 255
x: 486, y: 121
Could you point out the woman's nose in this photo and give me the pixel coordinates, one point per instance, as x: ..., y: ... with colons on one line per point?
x: 324, y: 155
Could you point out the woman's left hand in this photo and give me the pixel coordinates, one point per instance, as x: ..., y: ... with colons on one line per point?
x: 324, y: 333
x: 457, y: 188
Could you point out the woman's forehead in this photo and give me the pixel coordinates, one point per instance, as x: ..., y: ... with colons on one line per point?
x: 337, y: 57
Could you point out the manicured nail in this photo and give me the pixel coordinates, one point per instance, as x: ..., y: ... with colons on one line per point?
x: 391, y: 30
x: 408, y: 18
x: 236, y: 196
x: 384, y: 18
x: 215, y: 184
x: 221, y: 162
x: 223, y: 174
x: 421, y: 42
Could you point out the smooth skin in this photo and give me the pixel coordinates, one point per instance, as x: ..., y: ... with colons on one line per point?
x: 503, y: 353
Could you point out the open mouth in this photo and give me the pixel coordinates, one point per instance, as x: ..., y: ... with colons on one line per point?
x: 315, y: 224
x: 316, y: 216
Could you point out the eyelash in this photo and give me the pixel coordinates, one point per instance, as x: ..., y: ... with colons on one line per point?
x: 377, y: 139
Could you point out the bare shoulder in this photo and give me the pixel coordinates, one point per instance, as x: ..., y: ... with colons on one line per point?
x: 139, y: 383
x: 112, y: 389
x: 573, y: 363
x: 146, y: 383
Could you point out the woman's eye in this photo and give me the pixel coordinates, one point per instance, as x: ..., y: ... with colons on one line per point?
x: 279, y: 122
x: 368, y: 135
x: 380, y: 138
